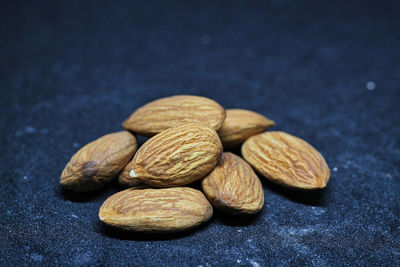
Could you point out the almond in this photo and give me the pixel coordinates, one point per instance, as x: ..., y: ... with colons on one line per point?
x: 125, y: 180
x: 98, y: 162
x: 168, y: 112
x: 233, y: 187
x: 240, y: 124
x: 286, y: 160
x: 177, y: 156
x: 156, y: 210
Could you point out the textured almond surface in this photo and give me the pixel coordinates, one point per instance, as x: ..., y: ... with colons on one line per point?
x: 168, y: 112
x: 98, y: 162
x: 240, y: 124
x: 233, y: 186
x: 125, y: 180
x: 287, y: 160
x: 156, y: 210
x: 177, y: 156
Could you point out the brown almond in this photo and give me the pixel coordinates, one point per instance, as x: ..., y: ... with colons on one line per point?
x: 98, y: 162
x: 286, y: 160
x: 177, y: 156
x: 156, y: 210
x: 233, y: 187
x: 125, y: 180
x: 168, y: 112
x: 240, y: 124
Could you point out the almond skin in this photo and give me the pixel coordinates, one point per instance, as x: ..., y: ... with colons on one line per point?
x: 286, y: 160
x: 168, y: 112
x: 98, y: 162
x: 240, y: 124
x: 126, y: 181
x: 233, y: 186
x: 156, y: 210
x: 177, y: 156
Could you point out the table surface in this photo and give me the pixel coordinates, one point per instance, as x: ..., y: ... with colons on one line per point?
x: 325, y: 71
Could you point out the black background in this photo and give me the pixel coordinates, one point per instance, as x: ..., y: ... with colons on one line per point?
x: 72, y: 71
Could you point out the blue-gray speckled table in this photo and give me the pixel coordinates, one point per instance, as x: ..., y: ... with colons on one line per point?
x: 73, y: 71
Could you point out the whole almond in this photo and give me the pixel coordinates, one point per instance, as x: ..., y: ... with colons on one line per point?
x: 177, y: 156
x: 156, y: 210
x: 168, y: 112
x: 98, y: 162
x: 240, y: 124
x: 125, y: 180
x: 233, y: 187
x: 286, y: 160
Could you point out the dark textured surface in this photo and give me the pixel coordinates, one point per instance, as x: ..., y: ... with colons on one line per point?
x: 71, y: 72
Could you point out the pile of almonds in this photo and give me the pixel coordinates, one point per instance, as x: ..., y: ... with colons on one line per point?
x: 187, y: 137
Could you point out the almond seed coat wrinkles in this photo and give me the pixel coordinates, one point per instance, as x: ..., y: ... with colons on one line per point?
x: 98, y: 162
x: 233, y: 186
x: 177, y: 156
x: 240, y: 124
x: 286, y: 160
x: 156, y: 210
x: 168, y: 112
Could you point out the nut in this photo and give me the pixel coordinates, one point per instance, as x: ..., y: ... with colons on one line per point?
x: 126, y: 181
x: 156, y: 210
x: 177, y: 156
x: 98, y: 162
x: 168, y: 112
x: 233, y: 187
x: 240, y: 124
x: 286, y: 160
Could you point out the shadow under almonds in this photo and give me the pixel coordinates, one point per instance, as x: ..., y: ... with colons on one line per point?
x: 235, y: 150
x: 86, y: 196
x: 310, y: 198
x: 117, y: 233
x: 236, y: 220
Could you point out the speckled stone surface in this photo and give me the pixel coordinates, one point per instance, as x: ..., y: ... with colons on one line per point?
x: 73, y: 71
